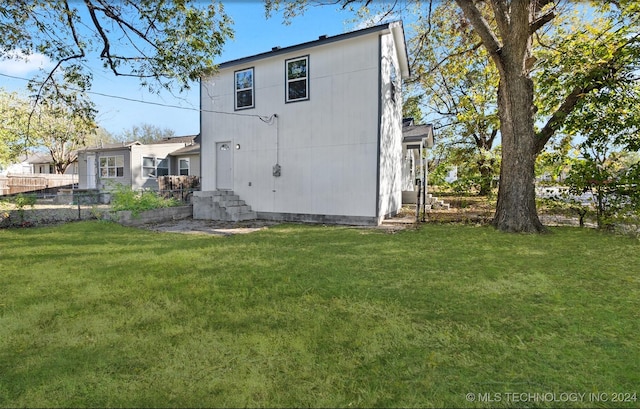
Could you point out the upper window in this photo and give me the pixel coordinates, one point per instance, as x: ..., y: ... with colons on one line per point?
x: 244, y: 89
x: 297, y: 79
x: 154, y: 167
x: 112, y: 166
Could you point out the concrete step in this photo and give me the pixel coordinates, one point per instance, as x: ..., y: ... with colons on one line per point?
x: 231, y: 203
x: 237, y: 209
x: 225, y: 198
x: 222, y: 205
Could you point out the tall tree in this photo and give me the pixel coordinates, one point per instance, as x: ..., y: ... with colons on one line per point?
x: 510, y: 48
x: 60, y: 126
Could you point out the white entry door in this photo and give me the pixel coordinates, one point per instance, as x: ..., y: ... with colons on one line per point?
x: 224, y: 166
x: 91, y: 172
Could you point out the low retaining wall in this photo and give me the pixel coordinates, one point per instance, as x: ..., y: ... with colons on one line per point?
x: 38, y: 216
x: 50, y: 215
x: 127, y: 218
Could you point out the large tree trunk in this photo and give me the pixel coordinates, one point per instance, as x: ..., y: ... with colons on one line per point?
x: 516, y: 208
x: 510, y: 49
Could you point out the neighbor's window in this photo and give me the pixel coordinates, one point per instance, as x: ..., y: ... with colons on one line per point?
x: 184, y: 167
x: 154, y: 167
x: 112, y: 166
x: 297, y: 79
x: 244, y: 89
x: 162, y: 167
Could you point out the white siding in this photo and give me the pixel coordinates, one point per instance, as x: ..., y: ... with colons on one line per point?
x: 390, y: 195
x: 340, y: 152
x: 327, y: 146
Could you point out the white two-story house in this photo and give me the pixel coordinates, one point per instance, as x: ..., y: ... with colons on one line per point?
x: 310, y: 132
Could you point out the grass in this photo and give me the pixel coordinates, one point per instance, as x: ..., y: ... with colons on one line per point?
x: 93, y: 314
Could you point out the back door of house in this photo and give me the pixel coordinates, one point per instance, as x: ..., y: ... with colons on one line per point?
x: 224, y: 166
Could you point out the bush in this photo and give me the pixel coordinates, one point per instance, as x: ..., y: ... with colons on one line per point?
x: 124, y: 198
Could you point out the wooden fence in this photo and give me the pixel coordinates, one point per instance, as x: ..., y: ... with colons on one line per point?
x: 12, y: 184
x: 178, y: 187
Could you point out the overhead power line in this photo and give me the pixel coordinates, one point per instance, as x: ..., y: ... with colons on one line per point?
x: 264, y: 118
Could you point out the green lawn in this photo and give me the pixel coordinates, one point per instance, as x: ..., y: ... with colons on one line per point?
x: 93, y: 314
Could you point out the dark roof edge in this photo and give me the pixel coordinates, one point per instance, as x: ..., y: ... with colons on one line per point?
x: 320, y: 41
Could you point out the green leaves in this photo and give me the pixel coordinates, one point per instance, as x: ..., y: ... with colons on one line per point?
x: 166, y: 43
x: 59, y: 121
x: 587, y: 74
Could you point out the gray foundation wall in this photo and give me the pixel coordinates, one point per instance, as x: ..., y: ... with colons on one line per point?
x: 319, y: 218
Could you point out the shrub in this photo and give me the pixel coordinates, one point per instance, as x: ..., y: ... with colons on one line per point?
x: 124, y: 198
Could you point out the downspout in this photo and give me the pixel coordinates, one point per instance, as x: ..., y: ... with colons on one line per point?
x: 200, y: 134
x: 379, y: 147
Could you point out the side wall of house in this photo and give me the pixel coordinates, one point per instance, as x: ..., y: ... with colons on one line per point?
x: 326, y: 147
x: 390, y: 166
x: 194, y: 164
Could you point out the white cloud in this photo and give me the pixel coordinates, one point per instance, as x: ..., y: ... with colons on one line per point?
x: 15, y: 62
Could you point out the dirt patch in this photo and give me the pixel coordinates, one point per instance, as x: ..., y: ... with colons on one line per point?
x: 191, y: 226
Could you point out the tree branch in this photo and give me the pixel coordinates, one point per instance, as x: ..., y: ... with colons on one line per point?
x: 541, y: 21
x: 594, y: 81
x: 556, y: 120
x: 500, y: 10
x: 488, y: 37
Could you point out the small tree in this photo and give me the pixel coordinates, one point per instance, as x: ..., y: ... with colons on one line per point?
x: 613, y: 183
x: 60, y: 123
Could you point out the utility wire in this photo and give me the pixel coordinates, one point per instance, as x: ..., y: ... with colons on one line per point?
x: 263, y: 118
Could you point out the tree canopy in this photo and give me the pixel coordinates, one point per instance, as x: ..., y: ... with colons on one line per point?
x: 165, y: 43
x: 146, y: 133
x: 61, y: 127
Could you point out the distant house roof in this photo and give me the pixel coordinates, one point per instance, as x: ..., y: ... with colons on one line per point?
x: 186, y: 140
x: 414, y: 134
x: 189, y: 139
x: 187, y: 150
x: 111, y: 146
x: 395, y: 27
x: 39, y: 158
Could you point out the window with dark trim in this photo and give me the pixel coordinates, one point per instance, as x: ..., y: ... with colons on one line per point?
x: 297, y: 88
x: 184, y: 167
x: 244, y: 98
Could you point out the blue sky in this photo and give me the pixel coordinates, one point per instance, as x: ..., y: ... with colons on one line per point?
x: 253, y: 34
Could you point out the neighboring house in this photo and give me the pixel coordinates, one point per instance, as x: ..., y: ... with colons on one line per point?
x: 311, y: 132
x: 37, y: 163
x: 43, y: 163
x: 186, y: 161
x: 20, y: 167
x: 416, y: 139
x: 36, y: 173
x: 129, y: 163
